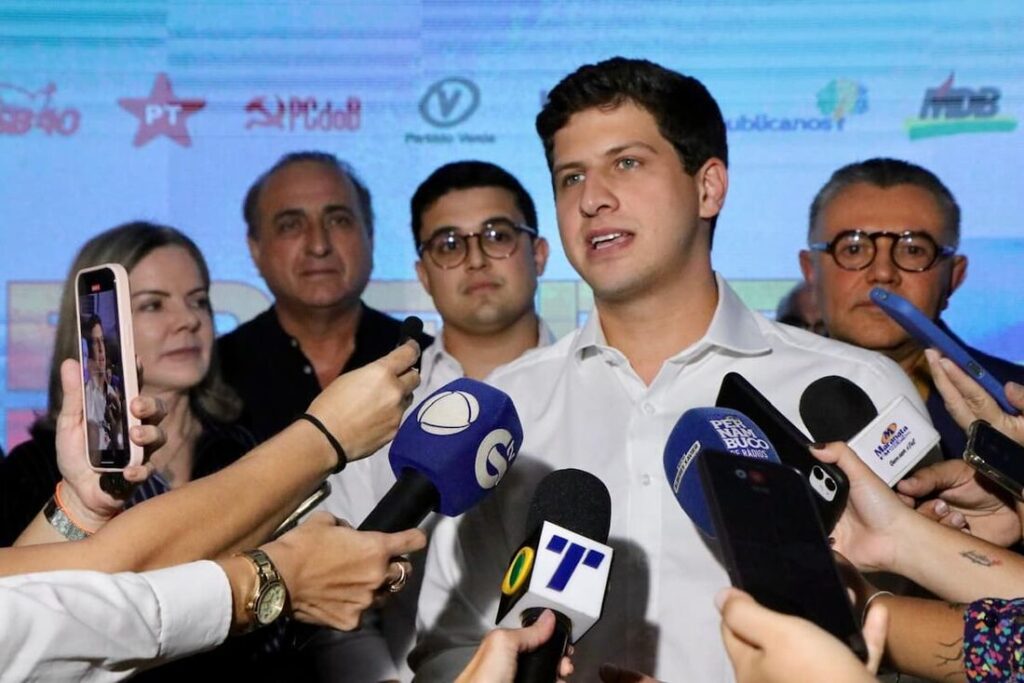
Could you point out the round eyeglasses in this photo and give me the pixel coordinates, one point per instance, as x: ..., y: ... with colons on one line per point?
x: 912, y: 250
x: 498, y: 238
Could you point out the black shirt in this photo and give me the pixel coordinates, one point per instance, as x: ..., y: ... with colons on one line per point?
x: 29, y: 474
x: 276, y: 381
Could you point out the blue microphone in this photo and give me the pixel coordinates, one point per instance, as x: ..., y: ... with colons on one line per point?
x: 699, y: 430
x: 448, y: 454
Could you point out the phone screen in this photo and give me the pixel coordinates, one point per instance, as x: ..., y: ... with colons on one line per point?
x: 773, y: 543
x: 997, y: 456
x: 103, y: 370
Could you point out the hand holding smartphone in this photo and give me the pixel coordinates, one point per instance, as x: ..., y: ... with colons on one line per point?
x: 773, y: 543
x: 996, y: 456
x: 107, y: 355
x: 930, y: 335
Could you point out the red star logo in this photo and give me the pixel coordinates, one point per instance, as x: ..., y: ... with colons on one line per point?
x: 162, y: 113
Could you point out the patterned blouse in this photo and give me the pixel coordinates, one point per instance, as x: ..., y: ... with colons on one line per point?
x: 994, y: 640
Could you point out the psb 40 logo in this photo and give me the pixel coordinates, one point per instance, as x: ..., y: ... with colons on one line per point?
x: 451, y: 412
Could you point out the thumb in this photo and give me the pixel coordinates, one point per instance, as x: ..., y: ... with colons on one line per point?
x: 71, y: 387
x: 402, y: 358
x: 404, y: 542
x: 537, y: 633
x: 748, y: 620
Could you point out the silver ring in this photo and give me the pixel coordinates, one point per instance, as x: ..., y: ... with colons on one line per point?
x: 399, y: 583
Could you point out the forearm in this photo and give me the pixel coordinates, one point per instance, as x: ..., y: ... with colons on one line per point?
x: 38, y: 532
x: 225, y: 512
x: 925, y: 638
x: 954, y: 565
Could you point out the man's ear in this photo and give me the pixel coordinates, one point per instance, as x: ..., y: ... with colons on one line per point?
x: 541, y: 251
x: 254, y: 251
x: 712, y: 186
x: 957, y: 275
x: 421, y: 274
x: 807, y: 266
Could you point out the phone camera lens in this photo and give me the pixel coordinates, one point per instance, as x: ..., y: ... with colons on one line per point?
x: 817, y: 473
x: 830, y: 485
x: 741, y: 474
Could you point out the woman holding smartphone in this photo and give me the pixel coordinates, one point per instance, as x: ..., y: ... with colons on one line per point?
x: 173, y: 329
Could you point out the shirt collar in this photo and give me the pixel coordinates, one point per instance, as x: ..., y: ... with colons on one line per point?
x: 734, y: 328
x: 436, y: 353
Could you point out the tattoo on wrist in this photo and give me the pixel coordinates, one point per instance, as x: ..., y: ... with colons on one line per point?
x: 980, y: 558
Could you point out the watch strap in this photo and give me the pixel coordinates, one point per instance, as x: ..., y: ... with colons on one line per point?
x: 60, y: 521
x: 266, y: 574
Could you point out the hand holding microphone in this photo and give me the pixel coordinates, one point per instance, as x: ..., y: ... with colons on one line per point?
x: 562, y: 566
x: 451, y: 451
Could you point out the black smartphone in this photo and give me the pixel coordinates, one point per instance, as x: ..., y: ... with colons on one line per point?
x: 773, y: 544
x: 306, y: 506
x: 830, y: 486
x: 996, y: 456
x: 107, y: 354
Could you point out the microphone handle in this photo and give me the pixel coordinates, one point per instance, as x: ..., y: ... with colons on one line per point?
x: 409, y: 501
x: 541, y: 665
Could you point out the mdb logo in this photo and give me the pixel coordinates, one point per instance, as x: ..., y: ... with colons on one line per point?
x: 449, y: 102
x: 575, y: 554
x: 495, y: 453
x: 449, y: 412
x: 946, y: 110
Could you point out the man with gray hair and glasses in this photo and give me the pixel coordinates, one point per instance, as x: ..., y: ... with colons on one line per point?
x: 891, y: 224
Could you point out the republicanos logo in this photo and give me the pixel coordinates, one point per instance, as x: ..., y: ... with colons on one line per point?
x: 892, y: 437
x: 836, y: 102
x: 575, y: 555
x: 449, y: 102
x: 947, y: 110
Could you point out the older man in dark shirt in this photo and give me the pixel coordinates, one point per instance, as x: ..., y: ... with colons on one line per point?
x: 310, y: 233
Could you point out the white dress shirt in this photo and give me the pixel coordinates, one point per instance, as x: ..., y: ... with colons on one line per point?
x: 96, y: 414
x: 583, y: 406
x: 354, y: 493
x: 83, y: 625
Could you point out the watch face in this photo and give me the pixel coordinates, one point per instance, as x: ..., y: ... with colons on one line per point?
x: 271, y: 603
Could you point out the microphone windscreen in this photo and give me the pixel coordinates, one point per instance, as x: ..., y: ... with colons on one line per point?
x: 463, y: 438
x: 411, y: 328
x: 573, y: 499
x: 835, y: 409
x: 701, y: 429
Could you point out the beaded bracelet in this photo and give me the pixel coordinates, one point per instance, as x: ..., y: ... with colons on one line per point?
x: 342, y: 458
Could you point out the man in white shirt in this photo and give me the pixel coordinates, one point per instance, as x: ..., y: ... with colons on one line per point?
x: 638, y: 162
x: 475, y: 230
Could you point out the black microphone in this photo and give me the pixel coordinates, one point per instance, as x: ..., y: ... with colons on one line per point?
x: 890, y: 442
x: 563, y: 565
x: 410, y: 328
x: 448, y: 454
x: 835, y: 409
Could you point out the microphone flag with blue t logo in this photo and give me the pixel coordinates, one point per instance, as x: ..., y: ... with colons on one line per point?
x: 449, y: 453
x: 564, y: 563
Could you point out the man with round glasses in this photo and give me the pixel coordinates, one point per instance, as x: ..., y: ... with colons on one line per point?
x: 891, y: 224
x: 475, y: 230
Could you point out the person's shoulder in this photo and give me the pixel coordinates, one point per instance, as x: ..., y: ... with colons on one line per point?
x: 789, y: 339
x: 537, y: 363
x: 249, y: 330
x: 382, y: 325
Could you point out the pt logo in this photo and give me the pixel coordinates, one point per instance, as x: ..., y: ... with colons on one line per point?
x: 449, y: 102
x: 161, y: 113
x: 575, y: 554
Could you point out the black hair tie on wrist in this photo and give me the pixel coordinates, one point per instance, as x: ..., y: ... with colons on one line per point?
x: 342, y: 458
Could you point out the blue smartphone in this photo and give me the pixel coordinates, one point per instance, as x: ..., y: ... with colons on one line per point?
x: 930, y: 335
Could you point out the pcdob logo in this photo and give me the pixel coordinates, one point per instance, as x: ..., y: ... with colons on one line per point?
x: 452, y: 412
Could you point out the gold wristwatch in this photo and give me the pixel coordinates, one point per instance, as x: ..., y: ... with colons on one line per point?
x: 268, y: 598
